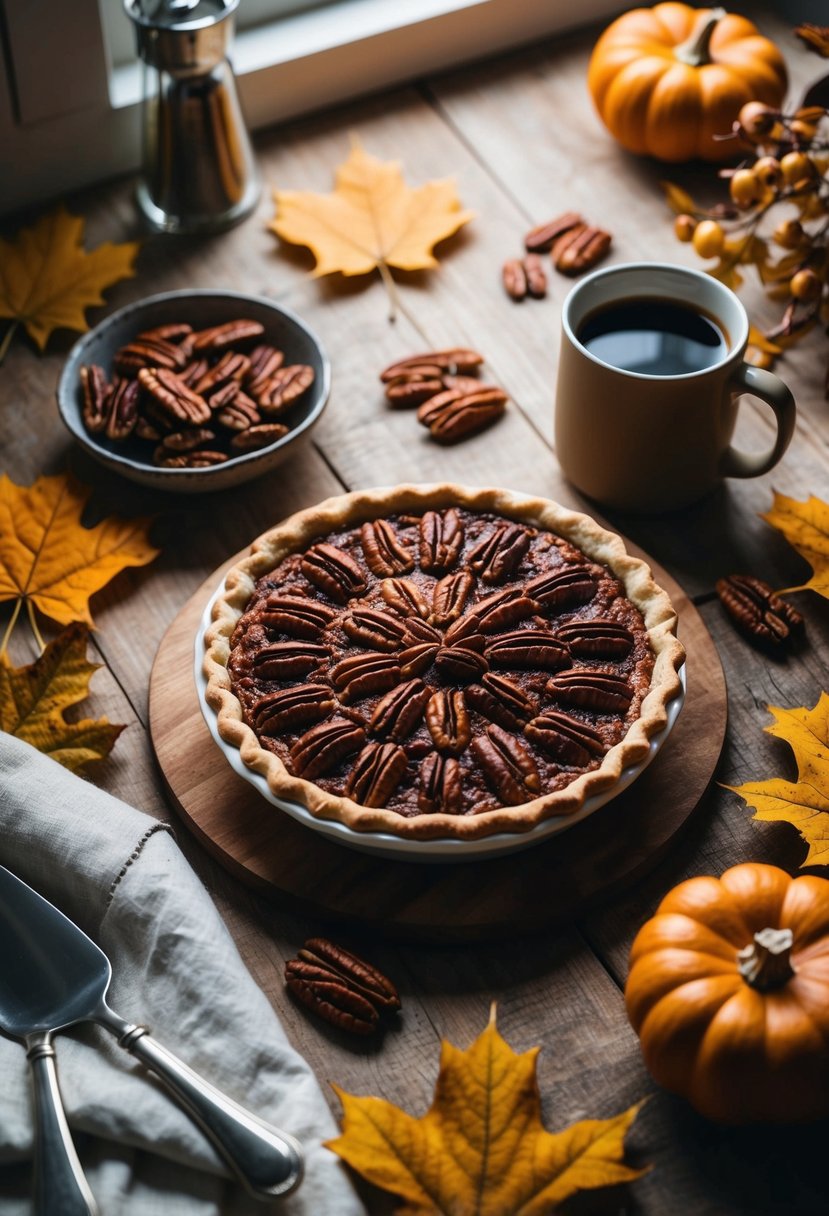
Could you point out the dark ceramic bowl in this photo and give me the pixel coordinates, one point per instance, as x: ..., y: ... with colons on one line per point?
x: 201, y: 309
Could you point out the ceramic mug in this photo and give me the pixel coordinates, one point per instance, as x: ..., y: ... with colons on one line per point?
x: 644, y: 442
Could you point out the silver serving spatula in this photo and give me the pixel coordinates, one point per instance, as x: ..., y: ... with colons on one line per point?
x: 52, y: 976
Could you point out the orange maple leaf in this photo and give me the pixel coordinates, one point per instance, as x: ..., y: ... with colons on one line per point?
x: 49, y: 559
x: 34, y: 701
x: 372, y: 220
x: 805, y: 802
x: 47, y: 278
x: 481, y: 1149
x: 805, y: 526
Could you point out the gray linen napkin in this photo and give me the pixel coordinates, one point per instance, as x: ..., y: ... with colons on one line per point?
x: 120, y: 875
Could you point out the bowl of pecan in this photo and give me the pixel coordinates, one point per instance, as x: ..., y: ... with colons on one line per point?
x: 194, y: 390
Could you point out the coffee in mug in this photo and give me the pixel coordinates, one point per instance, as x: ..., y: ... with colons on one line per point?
x: 649, y: 379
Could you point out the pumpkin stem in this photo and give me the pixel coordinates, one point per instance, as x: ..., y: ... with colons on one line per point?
x: 696, y: 52
x: 765, y: 962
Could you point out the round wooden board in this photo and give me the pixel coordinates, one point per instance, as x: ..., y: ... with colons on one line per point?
x: 533, y: 889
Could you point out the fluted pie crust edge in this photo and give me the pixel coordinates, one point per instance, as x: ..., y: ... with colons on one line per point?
x: 298, y: 531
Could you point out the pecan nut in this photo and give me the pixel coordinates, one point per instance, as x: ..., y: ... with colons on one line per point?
x: 172, y: 396
x: 757, y: 611
x: 453, y: 415
x: 514, y: 278
x: 331, y: 999
x: 384, y: 551
x: 370, y: 627
x: 502, y: 701
x: 400, y: 711
x: 297, y: 616
x: 580, y: 249
x: 324, y: 746
x: 288, y: 660
x: 376, y: 774
x: 507, y: 765
x: 536, y: 277
x: 201, y: 459
x: 596, y: 639
x: 407, y: 391
x: 441, y: 787
x: 222, y: 337
x: 527, y: 650
x: 95, y: 395
x: 241, y: 413
x: 230, y: 370
x: 253, y: 438
x: 149, y: 351
x: 265, y: 362
x: 301, y: 705
x: 448, y: 721
x: 542, y: 238
x: 570, y: 741
x: 562, y: 588
x: 333, y: 571
x: 404, y: 597
x: 355, y: 971
x: 361, y: 675
x: 602, y: 691
x: 441, y: 538
x: 499, y: 555
x: 123, y: 409
x: 503, y: 608
x: 450, y: 595
x: 460, y: 664
x: 456, y: 359
x: 284, y: 388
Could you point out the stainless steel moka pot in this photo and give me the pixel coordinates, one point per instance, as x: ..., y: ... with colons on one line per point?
x: 198, y: 169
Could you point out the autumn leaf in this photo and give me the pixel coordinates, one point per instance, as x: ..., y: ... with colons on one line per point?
x: 372, y: 220
x: 678, y: 200
x: 34, y: 701
x: 481, y: 1149
x: 805, y: 526
x: 49, y: 559
x: 47, y: 278
x: 805, y: 802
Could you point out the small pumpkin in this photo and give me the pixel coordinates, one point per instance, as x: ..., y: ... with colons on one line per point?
x: 666, y: 80
x: 729, y: 993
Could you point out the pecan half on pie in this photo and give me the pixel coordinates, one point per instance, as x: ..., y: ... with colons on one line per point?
x: 435, y: 661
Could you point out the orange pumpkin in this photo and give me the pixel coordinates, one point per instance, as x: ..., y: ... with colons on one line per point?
x: 729, y: 993
x: 667, y: 79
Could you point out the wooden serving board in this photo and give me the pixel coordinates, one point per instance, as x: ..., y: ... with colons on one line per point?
x: 529, y: 890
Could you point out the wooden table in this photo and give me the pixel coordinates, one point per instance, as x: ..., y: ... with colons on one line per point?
x: 520, y: 137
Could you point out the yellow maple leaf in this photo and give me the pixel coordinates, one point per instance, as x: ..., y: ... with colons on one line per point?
x: 805, y: 526
x: 481, y: 1149
x: 678, y: 200
x: 372, y: 220
x: 805, y: 802
x: 34, y: 701
x: 47, y: 278
x: 49, y: 559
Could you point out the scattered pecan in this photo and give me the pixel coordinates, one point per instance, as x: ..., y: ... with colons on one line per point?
x: 413, y: 389
x: 536, y: 276
x: 448, y: 721
x: 763, y: 616
x: 440, y: 786
x: 541, y: 238
x: 453, y: 415
x: 456, y: 359
x: 340, y: 986
x: 333, y: 571
x: 507, y: 765
x: 580, y: 249
x: 596, y: 639
x: 602, y: 691
x: 514, y: 277
x: 376, y: 774
x: 384, y: 551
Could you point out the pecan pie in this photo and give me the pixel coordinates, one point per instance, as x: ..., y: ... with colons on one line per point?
x: 435, y: 661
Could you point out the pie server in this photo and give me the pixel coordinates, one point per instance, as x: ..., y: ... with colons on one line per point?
x: 52, y: 976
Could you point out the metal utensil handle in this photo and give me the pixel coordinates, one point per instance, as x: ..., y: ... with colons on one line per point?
x: 268, y: 1162
x: 60, y: 1185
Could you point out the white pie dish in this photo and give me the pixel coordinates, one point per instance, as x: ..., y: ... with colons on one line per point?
x: 397, y: 848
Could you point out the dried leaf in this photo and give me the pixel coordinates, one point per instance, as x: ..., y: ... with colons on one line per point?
x: 726, y: 271
x: 372, y: 220
x: 34, y: 701
x: 761, y: 342
x: 804, y: 803
x: 47, y: 279
x: 678, y: 200
x: 816, y: 37
x: 481, y: 1148
x: 805, y: 526
x: 48, y: 558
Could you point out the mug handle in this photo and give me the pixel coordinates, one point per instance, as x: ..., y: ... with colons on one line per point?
x: 772, y: 390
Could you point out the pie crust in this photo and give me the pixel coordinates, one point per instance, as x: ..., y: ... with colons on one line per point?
x: 634, y: 586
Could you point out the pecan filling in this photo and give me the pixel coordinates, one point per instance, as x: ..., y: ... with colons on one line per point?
x: 447, y: 662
